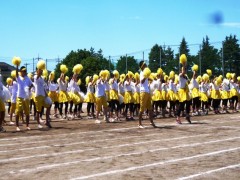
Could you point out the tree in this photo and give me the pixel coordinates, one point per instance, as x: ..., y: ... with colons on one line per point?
x: 154, y: 57
x: 209, y: 57
x: 132, y: 64
x: 170, y: 64
x: 231, y: 55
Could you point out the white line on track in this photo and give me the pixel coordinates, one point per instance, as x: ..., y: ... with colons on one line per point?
x: 155, y: 164
x: 29, y: 170
x: 110, y: 130
x: 69, y: 144
x: 90, y: 149
x: 210, y: 172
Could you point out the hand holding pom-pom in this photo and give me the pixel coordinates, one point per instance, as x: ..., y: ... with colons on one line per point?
x: 146, y: 72
x: 41, y: 65
x: 209, y: 72
x: 183, y: 59
x: 195, y: 68
x: 16, y: 61
x: 63, y: 68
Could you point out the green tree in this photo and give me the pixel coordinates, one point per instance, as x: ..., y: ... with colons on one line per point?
x: 169, y: 63
x: 209, y: 57
x: 131, y: 64
x: 231, y: 55
x: 154, y: 57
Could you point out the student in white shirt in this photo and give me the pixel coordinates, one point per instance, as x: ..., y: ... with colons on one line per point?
x: 145, y: 97
x: 24, y: 85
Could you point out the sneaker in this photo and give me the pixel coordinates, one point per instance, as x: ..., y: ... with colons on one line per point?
x: 2, y: 130
x: 178, y: 121
x: 97, y: 121
x: 141, y: 126
x: 42, y: 121
x: 18, y: 129
x: 11, y: 123
x: 40, y: 126
x: 28, y: 128
x: 90, y: 117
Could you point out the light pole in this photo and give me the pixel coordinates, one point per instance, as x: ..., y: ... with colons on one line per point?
x: 160, y: 57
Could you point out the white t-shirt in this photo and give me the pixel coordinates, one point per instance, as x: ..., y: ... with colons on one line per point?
x: 62, y: 86
x: 100, y: 89
x: 39, y: 86
x: 182, y: 82
x: 53, y: 86
x: 23, y: 86
x: 144, y: 87
x: 14, y: 92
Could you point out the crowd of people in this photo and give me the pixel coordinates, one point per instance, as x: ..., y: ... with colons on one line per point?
x: 116, y: 97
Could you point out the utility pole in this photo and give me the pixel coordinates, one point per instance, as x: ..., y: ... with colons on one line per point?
x: 58, y: 60
x: 26, y: 64
x: 222, y: 60
x: 126, y: 64
x: 33, y: 65
x: 200, y: 59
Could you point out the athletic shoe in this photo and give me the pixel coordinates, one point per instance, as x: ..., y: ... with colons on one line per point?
x: 141, y: 126
x: 11, y: 123
x: 18, y: 129
x: 2, y: 130
x: 97, y: 121
x: 153, y: 125
x: 42, y: 121
x: 28, y: 128
x: 40, y: 126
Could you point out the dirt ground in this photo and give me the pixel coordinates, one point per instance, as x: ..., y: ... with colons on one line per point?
x: 209, y: 148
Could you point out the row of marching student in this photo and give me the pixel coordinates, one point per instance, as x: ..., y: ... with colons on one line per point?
x: 116, y: 96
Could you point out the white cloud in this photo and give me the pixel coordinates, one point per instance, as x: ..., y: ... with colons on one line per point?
x: 231, y: 24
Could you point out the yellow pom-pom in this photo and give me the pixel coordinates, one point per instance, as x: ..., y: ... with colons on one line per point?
x: 9, y: 81
x: 79, y: 82
x: 13, y: 74
x: 122, y: 77
x: 16, y: 61
x: 63, y: 68
x: 195, y: 67
x: 77, y: 68
x: 87, y: 80
x: 205, y: 77
x: 233, y: 75
x: 146, y: 72
x: 116, y: 74
x: 219, y: 81
x: 66, y: 78
x: 130, y: 74
x: 137, y: 76
x: 30, y: 75
x: 41, y: 65
x: 51, y: 76
x: 228, y: 75
x: 183, y: 59
x: 238, y: 78
x: 176, y: 79
x: 171, y: 74
x: 45, y: 73
x: 199, y: 79
x: 159, y: 71
x: 95, y: 78
x: 209, y: 72
x: 220, y: 76
x: 107, y: 74
x: 166, y: 78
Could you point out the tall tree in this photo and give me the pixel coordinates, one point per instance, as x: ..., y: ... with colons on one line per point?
x: 231, y: 54
x: 154, y: 57
x: 209, y: 57
x: 127, y: 64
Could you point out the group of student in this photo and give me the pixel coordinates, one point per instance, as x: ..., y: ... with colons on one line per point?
x: 116, y: 96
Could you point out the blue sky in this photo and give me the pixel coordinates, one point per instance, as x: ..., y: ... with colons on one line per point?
x: 52, y: 28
